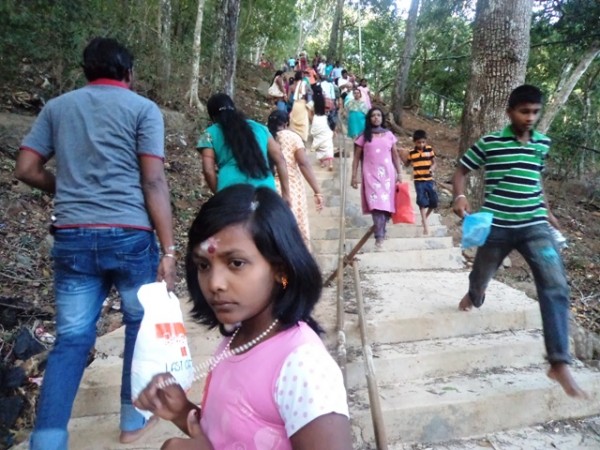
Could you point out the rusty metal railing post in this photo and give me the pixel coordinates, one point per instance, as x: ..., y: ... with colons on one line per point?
x: 374, y: 399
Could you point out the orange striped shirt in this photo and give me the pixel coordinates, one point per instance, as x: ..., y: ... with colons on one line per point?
x: 421, y: 160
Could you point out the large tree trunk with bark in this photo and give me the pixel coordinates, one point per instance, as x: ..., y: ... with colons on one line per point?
x: 197, y: 46
x: 225, y: 51
x: 406, y: 61
x: 565, y: 87
x: 338, y: 16
x: 165, y: 19
x: 498, y: 63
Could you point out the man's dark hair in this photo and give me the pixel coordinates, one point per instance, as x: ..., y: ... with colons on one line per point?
x: 419, y: 134
x: 525, y: 94
x: 106, y: 58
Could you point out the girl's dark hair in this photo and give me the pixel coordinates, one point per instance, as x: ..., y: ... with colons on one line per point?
x: 298, y: 75
x: 238, y: 136
x: 318, y: 100
x: 106, y: 58
x: 275, y: 232
x: 279, y: 72
x: 277, y: 119
x: 368, y: 133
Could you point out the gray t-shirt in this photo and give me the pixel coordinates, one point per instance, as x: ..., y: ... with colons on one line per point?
x: 97, y: 134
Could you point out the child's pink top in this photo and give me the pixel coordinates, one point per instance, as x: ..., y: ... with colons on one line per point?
x: 257, y: 400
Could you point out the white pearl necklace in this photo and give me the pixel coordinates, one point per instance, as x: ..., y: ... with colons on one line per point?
x: 201, y: 371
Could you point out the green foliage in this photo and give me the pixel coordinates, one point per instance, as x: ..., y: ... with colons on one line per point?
x: 561, y: 32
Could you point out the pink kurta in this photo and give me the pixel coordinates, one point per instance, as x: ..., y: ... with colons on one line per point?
x: 378, y: 172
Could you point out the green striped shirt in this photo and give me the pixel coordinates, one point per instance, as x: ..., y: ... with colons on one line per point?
x: 513, y: 176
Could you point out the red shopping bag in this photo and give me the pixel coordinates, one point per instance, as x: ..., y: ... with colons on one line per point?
x: 404, y: 210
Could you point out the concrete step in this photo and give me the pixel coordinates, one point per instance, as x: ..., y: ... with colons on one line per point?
x: 435, y: 410
x: 418, y: 305
x: 322, y: 246
x: 393, y: 231
x: 102, y: 433
x: 375, y: 261
x: 404, y: 361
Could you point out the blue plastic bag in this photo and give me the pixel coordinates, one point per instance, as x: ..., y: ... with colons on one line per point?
x: 476, y: 228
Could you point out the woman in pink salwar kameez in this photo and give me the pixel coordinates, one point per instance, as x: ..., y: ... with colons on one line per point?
x: 380, y: 166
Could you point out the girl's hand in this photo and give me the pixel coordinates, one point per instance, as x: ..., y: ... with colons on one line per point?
x: 319, y: 201
x: 168, y: 402
x: 399, y: 177
x: 197, y: 441
x: 354, y: 183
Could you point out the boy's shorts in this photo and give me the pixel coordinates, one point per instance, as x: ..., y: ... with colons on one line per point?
x: 426, y: 195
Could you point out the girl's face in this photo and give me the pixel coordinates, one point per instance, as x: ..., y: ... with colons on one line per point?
x: 236, y: 280
x: 376, y: 118
x: 356, y: 93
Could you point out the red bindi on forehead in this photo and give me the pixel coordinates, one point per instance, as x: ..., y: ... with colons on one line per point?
x: 210, y: 245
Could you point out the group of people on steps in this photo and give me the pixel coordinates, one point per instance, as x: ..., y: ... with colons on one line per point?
x: 248, y: 267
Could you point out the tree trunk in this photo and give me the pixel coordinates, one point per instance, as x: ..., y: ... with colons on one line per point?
x: 406, y: 61
x: 498, y: 63
x: 197, y: 46
x: 225, y: 51
x: 332, y: 49
x: 165, y: 18
x: 560, y: 97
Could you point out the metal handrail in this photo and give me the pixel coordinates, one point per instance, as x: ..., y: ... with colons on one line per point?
x: 341, y: 334
x: 374, y: 399
x: 343, y: 261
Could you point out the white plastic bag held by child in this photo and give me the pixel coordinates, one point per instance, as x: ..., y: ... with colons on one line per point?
x: 161, y: 344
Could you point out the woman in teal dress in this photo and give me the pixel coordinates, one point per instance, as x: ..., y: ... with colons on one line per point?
x: 357, y: 112
x: 240, y: 149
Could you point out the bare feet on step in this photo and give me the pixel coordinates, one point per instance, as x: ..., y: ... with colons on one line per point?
x: 425, y: 230
x: 560, y: 373
x: 465, y: 303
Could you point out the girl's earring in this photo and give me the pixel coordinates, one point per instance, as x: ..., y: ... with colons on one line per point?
x: 284, y: 282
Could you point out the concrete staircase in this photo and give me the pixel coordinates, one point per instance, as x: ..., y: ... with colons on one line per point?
x: 442, y: 374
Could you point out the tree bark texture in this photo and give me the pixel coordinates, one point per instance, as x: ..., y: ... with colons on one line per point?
x: 223, y: 77
x: 332, y: 49
x: 561, y: 95
x: 197, y: 46
x: 499, y: 57
x: 165, y: 17
x: 410, y: 40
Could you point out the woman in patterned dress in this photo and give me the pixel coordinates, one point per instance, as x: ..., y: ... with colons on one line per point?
x: 380, y: 166
x: 298, y: 166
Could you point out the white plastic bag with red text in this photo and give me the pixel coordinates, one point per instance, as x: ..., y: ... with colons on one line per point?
x: 161, y: 345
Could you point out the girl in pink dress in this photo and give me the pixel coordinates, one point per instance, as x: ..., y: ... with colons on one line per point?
x: 380, y: 166
x: 271, y: 384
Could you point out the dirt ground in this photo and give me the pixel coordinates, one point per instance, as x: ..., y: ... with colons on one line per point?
x: 26, y: 299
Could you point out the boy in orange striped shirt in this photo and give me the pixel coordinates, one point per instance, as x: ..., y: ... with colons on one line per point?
x: 422, y: 159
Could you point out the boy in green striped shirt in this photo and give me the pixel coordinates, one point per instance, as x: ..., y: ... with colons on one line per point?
x: 513, y: 160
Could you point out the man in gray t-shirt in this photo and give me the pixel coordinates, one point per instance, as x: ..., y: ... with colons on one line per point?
x: 110, y: 195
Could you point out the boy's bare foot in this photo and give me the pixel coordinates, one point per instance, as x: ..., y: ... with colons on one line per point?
x: 465, y: 303
x: 560, y: 373
x: 425, y: 230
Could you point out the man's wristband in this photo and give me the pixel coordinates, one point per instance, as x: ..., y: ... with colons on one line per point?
x: 169, y: 255
x: 459, y: 196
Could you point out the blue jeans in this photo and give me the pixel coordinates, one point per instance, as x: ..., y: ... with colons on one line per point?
x: 426, y: 195
x: 281, y: 105
x: 87, y: 263
x: 539, y: 249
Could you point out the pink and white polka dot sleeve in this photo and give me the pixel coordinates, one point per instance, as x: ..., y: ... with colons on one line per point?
x: 310, y: 385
